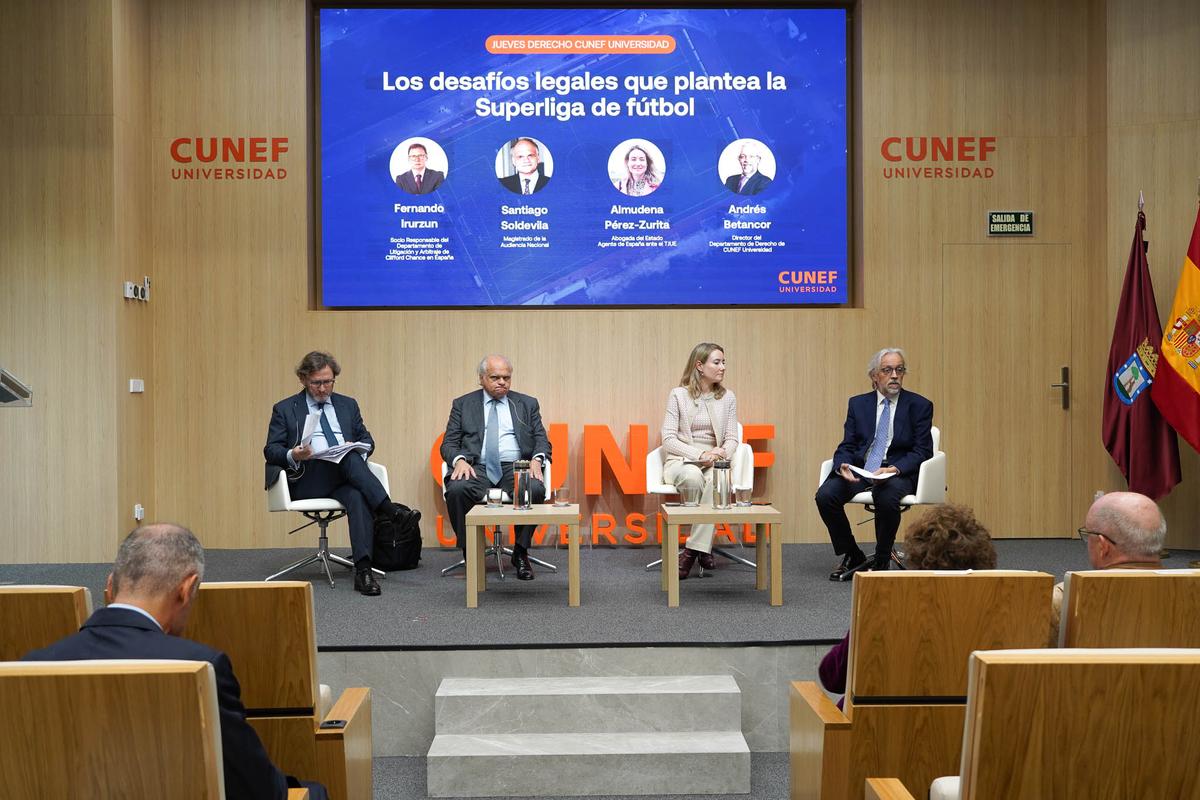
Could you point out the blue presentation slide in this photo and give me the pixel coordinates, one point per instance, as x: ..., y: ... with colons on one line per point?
x: 582, y: 157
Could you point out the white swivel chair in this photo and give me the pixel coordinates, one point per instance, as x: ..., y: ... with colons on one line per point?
x: 742, y: 467
x: 320, y: 511
x: 497, y: 549
x: 930, y: 489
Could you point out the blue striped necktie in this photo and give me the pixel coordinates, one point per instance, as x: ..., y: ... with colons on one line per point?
x: 879, y: 446
x: 331, y: 439
x: 491, y: 443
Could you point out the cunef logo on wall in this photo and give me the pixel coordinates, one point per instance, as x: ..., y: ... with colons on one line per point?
x: 938, y: 157
x: 228, y: 158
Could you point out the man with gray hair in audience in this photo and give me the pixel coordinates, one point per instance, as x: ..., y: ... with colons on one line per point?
x: 1122, y: 530
x: 149, y: 593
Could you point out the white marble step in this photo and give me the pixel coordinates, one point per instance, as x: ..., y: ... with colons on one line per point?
x: 573, y: 705
x: 573, y: 764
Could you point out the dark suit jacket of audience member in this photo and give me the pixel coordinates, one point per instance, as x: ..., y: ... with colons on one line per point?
x: 513, y: 183
x: 121, y: 633
x: 431, y: 180
x: 466, y: 426
x: 912, y: 439
x: 756, y: 184
x: 287, y: 428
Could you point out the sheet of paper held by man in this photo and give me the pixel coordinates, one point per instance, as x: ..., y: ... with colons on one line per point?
x: 336, y: 453
x: 875, y: 476
x: 310, y: 427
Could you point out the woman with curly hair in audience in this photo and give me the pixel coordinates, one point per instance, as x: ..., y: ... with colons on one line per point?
x: 945, y: 537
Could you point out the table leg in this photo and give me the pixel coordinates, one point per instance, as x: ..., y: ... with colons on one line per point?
x: 776, y: 566
x: 670, y: 565
x: 573, y: 565
x: 662, y: 555
x: 474, y: 557
x: 760, y: 557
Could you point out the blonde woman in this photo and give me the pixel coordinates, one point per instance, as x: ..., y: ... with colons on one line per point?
x: 700, y: 427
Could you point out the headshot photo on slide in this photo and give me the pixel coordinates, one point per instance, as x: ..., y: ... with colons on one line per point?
x: 746, y: 166
x: 524, y: 165
x: 636, y: 167
x: 418, y: 165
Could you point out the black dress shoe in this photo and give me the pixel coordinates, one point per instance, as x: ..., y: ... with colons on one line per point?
x: 881, y: 562
x: 520, y: 562
x: 365, y: 583
x: 850, y: 563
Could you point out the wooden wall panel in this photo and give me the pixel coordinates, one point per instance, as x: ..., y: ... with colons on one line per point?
x: 1088, y: 100
x: 131, y: 231
x: 56, y: 328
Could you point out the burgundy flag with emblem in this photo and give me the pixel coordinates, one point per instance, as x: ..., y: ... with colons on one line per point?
x: 1135, y: 434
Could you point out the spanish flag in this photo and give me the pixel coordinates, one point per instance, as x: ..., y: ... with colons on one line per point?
x: 1176, y: 388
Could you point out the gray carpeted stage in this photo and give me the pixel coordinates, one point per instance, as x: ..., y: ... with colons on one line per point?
x: 622, y: 605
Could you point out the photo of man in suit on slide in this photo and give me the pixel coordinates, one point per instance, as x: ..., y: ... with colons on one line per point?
x: 748, y: 179
x: 531, y: 175
x: 418, y: 178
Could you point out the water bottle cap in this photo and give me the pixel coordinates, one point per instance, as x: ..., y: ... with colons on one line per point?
x: 520, y: 465
x: 721, y: 464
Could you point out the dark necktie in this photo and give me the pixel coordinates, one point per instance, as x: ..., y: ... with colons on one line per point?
x: 879, y: 446
x: 491, y: 440
x: 330, y: 437
x: 526, y: 186
x: 418, y: 177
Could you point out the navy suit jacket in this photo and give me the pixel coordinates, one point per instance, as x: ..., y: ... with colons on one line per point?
x: 121, y: 633
x: 287, y: 428
x: 756, y: 184
x: 466, y: 427
x: 431, y: 180
x: 513, y: 183
x: 912, y: 440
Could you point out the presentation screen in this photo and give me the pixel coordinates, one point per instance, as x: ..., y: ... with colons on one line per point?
x: 477, y: 157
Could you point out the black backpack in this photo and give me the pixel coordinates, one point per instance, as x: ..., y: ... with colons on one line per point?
x: 398, y: 541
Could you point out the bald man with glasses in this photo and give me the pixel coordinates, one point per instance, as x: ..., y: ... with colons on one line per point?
x: 888, y: 433
x: 1122, y: 530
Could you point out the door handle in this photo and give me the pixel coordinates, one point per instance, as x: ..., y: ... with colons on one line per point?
x: 1065, y: 385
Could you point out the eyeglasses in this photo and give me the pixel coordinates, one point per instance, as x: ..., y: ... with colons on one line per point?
x: 1084, y: 533
x: 417, y: 156
x: 892, y: 370
x: 321, y: 384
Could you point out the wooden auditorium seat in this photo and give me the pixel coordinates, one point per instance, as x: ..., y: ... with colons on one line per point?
x: 32, y: 617
x: 267, y: 630
x: 1075, y: 723
x: 910, y: 635
x: 113, y: 729
x: 1131, y: 608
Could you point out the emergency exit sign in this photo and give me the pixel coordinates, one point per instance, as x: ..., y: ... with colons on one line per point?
x: 1010, y: 223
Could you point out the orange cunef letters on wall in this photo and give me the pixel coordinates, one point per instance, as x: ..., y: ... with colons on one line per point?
x: 599, y: 446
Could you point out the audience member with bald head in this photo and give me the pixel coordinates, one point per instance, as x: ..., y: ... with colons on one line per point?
x: 1122, y: 530
x: 149, y: 593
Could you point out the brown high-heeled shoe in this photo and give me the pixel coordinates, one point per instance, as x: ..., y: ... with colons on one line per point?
x: 707, y: 561
x: 687, y: 557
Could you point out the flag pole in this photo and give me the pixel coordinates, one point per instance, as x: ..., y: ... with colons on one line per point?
x: 1142, y: 199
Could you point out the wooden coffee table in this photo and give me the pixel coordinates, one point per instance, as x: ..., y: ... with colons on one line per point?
x: 479, y: 517
x: 765, y: 520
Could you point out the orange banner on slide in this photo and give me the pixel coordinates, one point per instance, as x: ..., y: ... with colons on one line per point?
x: 580, y: 44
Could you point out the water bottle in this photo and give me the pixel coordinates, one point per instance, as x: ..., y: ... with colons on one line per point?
x: 722, y: 496
x: 522, y: 495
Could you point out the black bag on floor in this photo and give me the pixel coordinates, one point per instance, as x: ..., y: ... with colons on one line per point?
x: 398, y: 540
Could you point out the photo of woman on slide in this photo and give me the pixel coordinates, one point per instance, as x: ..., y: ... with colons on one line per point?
x: 636, y: 167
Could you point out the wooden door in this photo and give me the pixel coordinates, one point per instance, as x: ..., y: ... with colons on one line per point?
x: 1007, y: 316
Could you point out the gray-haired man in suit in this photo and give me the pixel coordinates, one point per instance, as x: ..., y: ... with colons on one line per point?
x: 487, y: 431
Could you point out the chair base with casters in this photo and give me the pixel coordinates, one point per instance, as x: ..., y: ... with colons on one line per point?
x: 930, y: 490
x: 496, y: 548
x: 320, y: 512
x: 742, y: 467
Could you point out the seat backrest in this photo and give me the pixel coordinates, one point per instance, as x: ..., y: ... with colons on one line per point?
x: 267, y: 630
x: 1131, y: 608
x: 279, y: 494
x: 827, y: 464
x: 32, y: 617
x: 911, y: 631
x: 111, y: 728
x: 1081, y: 724
x: 742, y: 465
x: 910, y: 637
